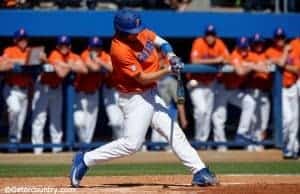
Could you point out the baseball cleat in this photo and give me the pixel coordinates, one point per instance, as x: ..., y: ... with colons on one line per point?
x: 205, y: 177
x: 78, y: 169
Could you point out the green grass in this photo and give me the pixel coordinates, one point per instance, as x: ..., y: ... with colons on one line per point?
x: 50, y: 170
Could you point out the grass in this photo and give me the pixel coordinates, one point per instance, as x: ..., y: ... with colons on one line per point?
x: 50, y: 170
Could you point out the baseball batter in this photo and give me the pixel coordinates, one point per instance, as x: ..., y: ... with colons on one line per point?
x: 208, y: 50
x: 48, y: 94
x: 87, y: 89
x: 229, y: 90
x: 16, y: 86
x: 280, y: 54
x: 135, y: 72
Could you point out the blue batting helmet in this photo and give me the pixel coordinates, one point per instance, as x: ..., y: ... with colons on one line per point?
x: 20, y: 33
x: 242, y: 42
x: 95, y: 42
x: 128, y: 21
x: 63, y: 40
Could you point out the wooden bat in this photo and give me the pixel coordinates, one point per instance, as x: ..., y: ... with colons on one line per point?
x: 180, y: 89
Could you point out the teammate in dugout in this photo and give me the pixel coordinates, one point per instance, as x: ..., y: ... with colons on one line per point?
x: 87, y: 89
x: 229, y: 90
x: 281, y: 54
x: 17, y: 86
x: 260, y: 83
x: 135, y: 72
x: 48, y: 95
x: 209, y: 50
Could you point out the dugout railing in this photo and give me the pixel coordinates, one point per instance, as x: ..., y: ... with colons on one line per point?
x: 70, y: 131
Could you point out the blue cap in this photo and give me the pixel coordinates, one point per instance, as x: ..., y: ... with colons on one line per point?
x: 279, y: 33
x: 63, y: 40
x: 128, y: 21
x: 20, y: 33
x: 95, y: 42
x: 210, y: 30
x: 257, y: 38
x: 242, y: 43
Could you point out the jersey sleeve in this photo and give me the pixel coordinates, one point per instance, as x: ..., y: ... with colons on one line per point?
x: 85, y: 56
x: 54, y: 58
x: 8, y: 53
x: 223, y: 51
x: 197, y: 49
x: 150, y: 34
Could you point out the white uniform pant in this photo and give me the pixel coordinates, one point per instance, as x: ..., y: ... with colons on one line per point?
x: 202, y: 98
x: 17, y: 101
x: 261, y: 115
x: 85, y: 115
x: 290, y: 114
x: 47, y: 100
x: 238, y: 98
x: 140, y: 111
x: 113, y: 111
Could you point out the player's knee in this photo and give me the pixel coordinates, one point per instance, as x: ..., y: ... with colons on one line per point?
x: 79, y: 119
x: 14, y: 108
x: 116, y: 122
x: 133, y: 145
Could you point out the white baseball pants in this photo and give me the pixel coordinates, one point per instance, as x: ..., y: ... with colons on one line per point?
x: 46, y: 100
x: 202, y: 98
x: 140, y: 111
x: 85, y: 115
x: 290, y: 115
x: 17, y: 101
x: 239, y: 98
x: 113, y: 111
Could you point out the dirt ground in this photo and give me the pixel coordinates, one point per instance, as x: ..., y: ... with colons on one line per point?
x: 245, y: 184
x: 229, y: 184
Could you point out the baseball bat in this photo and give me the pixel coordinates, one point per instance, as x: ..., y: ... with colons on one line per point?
x: 180, y: 89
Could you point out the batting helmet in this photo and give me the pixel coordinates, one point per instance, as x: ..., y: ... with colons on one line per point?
x: 63, y: 40
x: 242, y: 43
x: 128, y: 21
x: 20, y: 33
x: 95, y: 42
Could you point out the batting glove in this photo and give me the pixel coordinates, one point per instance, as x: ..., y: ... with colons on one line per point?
x: 176, y: 64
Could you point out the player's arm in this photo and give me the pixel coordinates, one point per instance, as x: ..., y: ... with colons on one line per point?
x: 261, y: 66
x: 5, y: 65
x: 106, y: 65
x: 77, y: 66
x: 62, y: 69
x: 182, y: 116
x: 243, y: 68
x: 149, y: 78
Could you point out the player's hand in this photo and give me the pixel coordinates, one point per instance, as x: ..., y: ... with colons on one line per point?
x: 48, y: 68
x: 176, y: 64
x: 192, y: 84
x: 287, y: 49
x: 183, y: 123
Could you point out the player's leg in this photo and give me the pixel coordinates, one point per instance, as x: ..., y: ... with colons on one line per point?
x: 92, y: 109
x: 39, y: 116
x: 247, y: 104
x: 138, y: 113
x: 13, y: 102
x: 201, y: 115
x: 113, y: 111
x: 55, y: 112
x: 80, y: 115
x: 290, y: 123
x: 170, y: 129
x: 219, y: 115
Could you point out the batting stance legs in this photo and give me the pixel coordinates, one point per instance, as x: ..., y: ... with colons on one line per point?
x: 46, y: 99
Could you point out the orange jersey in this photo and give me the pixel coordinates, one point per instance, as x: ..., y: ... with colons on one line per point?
x: 130, y: 59
x: 90, y: 82
x: 232, y: 80
x: 288, y: 78
x: 201, y: 50
x: 52, y: 79
x: 295, y: 45
x: 259, y: 80
x: 21, y: 79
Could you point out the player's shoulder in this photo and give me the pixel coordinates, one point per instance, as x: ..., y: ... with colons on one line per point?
x: 74, y: 56
x: 54, y: 53
x: 84, y: 53
x: 10, y: 49
x: 118, y: 47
